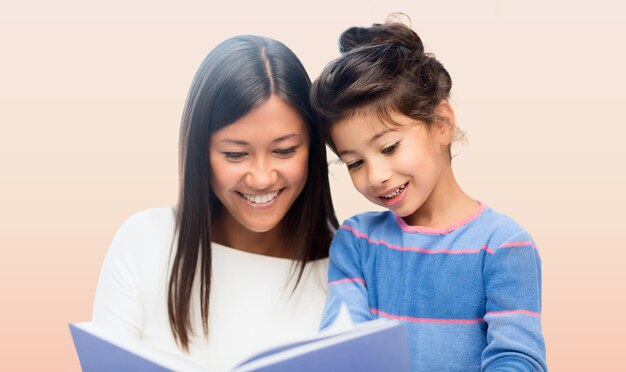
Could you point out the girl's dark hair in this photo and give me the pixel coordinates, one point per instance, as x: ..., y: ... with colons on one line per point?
x: 382, y: 69
x: 234, y: 78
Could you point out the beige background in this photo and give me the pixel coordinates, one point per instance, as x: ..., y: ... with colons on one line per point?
x: 91, y: 95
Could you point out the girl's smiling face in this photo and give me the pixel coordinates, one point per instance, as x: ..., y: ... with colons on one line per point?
x: 397, y: 166
x: 259, y: 164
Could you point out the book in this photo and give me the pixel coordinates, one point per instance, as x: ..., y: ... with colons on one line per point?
x: 377, y: 345
x: 101, y: 350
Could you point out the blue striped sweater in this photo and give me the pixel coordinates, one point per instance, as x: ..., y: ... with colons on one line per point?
x: 470, y: 294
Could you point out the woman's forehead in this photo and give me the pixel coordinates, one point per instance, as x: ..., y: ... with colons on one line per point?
x: 274, y: 120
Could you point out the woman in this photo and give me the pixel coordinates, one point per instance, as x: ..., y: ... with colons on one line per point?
x: 244, y: 254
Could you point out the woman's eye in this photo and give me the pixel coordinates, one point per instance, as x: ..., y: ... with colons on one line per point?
x: 354, y: 165
x: 391, y: 149
x: 285, y: 151
x: 234, y: 155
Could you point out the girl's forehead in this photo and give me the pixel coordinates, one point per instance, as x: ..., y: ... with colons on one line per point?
x: 359, y: 133
x: 368, y: 122
x: 380, y: 114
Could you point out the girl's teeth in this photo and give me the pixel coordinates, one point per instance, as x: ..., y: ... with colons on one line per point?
x: 395, y: 193
x: 261, y: 199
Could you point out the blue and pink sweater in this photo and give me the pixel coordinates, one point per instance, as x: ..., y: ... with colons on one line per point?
x: 469, y: 294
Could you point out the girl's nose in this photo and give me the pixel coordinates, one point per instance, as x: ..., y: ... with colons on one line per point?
x: 378, y: 173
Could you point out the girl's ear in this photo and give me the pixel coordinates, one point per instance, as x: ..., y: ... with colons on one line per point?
x: 445, y: 125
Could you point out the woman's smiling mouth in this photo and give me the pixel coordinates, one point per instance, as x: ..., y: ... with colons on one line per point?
x: 260, y: 200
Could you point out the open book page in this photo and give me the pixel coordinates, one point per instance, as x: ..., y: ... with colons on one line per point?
x: 342, y: 324
x: 102, y: 350
x: 370, y: 346
x: 338, y: 347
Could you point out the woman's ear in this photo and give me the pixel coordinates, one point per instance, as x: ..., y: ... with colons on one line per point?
x: 445, y: 124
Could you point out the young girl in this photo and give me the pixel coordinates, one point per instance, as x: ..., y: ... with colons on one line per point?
x: 240, y: 264
x: 464, y: 278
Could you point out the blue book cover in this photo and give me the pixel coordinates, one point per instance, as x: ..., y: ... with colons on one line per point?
x: 378, y: 345
x: 100, y: 350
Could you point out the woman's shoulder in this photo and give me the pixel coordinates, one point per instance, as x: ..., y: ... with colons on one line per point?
x: 145, y: 232
x: 151, y: 218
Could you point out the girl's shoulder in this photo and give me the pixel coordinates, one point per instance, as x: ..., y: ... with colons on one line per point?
x: 368, y: 221
x: 502, y: 229
x: 501, y: 221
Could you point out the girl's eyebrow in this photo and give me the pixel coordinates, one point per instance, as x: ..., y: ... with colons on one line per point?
x: 380, y: 134
x: 245, y: 143
x: 374, y: 138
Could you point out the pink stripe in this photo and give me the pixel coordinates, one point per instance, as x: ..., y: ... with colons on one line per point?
x: 427, y: 320
x: 515, y: 245
x: 518, y: 244
x: 347, y: 280
x: 452, y: 321
x: 506, y: 312
x: 441, y: 230
x: 414, y: 249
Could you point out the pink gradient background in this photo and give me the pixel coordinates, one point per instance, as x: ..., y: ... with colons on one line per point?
x: 91, y: 98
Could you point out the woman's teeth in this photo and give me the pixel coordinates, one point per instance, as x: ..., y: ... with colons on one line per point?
x: 260, y: 199
x: 392, y: 195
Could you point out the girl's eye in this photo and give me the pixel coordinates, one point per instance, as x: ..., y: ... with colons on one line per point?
x: 234, y: 155
x: 286, y: 151
x: 391, y: 149
x: 354, y: 165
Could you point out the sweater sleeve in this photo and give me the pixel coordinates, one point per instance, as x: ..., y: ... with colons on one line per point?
x: 346, y: 283
x: 512, y: 277
x: 117, y: 305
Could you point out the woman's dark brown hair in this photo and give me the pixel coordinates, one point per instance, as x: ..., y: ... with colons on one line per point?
x: 382, y: 69
x: 236, y: 77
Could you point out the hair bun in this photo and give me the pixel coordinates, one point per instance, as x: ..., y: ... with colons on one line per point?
x: 387, y: 34
x: 355, y: 37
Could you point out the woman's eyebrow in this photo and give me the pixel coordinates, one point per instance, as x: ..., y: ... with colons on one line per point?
x: 287, y: 136
x: 245, y: 143
x: 234, y: 141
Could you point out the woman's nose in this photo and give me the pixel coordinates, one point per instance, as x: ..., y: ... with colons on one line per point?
x: 262, y: 175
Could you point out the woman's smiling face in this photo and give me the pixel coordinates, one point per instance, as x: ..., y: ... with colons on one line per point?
x: 259, y: 164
